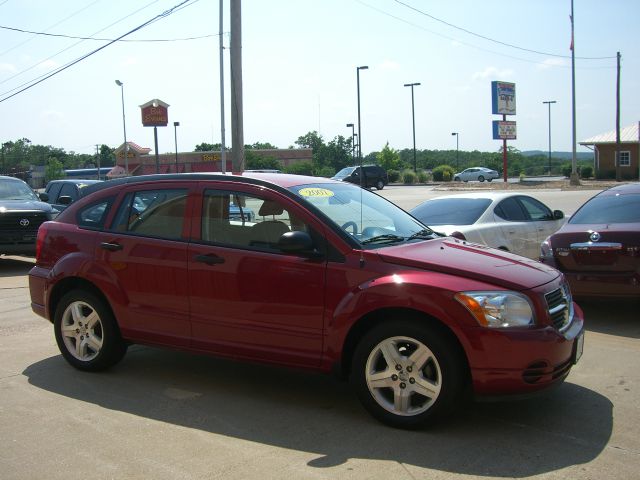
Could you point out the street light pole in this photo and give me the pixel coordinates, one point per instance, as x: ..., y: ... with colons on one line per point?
x: 359, y: 132
x: 353, y: 144
x: 413, y: 118
x: 457, y: 150
x: 124, y: 127
x: 549, y: 103
x: 175, y: 136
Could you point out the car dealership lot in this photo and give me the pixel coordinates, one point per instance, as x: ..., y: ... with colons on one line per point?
x: 162, y: 414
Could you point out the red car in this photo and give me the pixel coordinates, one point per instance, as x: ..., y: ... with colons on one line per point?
x: 598, y: 249
x: 325, y: 276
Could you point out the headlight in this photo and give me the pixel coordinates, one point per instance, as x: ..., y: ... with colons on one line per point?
x: 498, y: 309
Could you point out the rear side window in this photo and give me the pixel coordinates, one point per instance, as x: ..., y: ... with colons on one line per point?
x: 154, y: 213
x: 451, y: 211
x: 510, y: 210
x: 93, y: 216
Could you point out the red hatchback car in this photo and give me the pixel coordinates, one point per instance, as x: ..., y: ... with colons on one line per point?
x: 598, y: 249
x: 324, y: 275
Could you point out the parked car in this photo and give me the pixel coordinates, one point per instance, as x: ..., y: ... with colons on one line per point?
x: 327, y: 277
x: 598, y: 249
x: 479, y: 174
x: 62, y: 193
x: 21, y: 213
x: 374, y: 176
x: 509, y: 221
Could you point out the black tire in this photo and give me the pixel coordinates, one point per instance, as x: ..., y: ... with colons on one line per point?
x: 399, y: 399
x: 456, y: 179
x: 92, y: 341
x: 379, y: 185
x: 489, y: 179
x: 481, y: 178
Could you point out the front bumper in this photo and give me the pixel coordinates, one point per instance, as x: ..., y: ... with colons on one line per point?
x: 539, y: 359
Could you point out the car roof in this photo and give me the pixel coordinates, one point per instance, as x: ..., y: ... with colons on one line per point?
x: 15, y: 179
x: 489, y: 195
x: 622, y: 189
x: 282, y: 180
x: 77, y: 181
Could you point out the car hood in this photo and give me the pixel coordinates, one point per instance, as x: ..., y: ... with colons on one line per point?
x: 477, y: 262
x: 25, y: 205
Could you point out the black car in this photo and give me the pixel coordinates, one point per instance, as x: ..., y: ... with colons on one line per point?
x: 374, y: 176
x: 21, y: 214
x: 62, y: 193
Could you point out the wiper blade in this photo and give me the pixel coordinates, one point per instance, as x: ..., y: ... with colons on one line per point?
x: 424, y: 233
x: 387, y: 238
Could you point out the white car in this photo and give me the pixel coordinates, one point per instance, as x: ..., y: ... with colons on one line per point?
x: 508, y: 221
x: 476, y: 173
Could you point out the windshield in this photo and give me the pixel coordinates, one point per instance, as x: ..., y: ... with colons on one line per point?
x: 451, y: 211
x: 16, y: 190
x: 370, y: 219
x: 609, y: 209
x: 345, y: 172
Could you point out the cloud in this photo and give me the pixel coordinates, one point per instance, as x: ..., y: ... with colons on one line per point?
x: 493, y: 73
x: 389, y: 65
x: 7, y: 67
x: 552, y: 62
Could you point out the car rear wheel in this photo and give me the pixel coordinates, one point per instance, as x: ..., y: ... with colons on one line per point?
x: 407, y: 374
x: 456, y: 179
x: 481, y: 178
x: 86, y: 332
x: 379, y: 185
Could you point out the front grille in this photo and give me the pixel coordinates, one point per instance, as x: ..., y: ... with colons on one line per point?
x: 20, y: 226
x: 560, y: 306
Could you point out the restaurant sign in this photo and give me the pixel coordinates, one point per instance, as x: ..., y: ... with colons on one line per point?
x: 155, y: 113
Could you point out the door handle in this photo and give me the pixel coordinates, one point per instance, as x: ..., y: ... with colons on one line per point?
x: 210, y: 259
x: 112, y: 247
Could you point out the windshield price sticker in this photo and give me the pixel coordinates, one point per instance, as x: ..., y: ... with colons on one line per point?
x: 316, y: 192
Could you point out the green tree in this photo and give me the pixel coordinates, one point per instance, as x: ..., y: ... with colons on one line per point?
x: 254, y: 161
x: 208, y: 147
x: 388, y: 158
x: 312, y: 140
x: 261, y: 146
x: 53, y: 170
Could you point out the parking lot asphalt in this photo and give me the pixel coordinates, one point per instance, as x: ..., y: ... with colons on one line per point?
x: 167, y: 415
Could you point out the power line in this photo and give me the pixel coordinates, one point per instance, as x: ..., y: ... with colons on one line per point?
x: 494, y: 40
x: 63, y: 68
x: 107, y: 39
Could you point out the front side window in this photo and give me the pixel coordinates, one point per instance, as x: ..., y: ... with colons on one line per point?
x: 53, y: 189
x: 237, y: 219
x: 535, y: 209
x: 69, y: 190
x: 155, y: 213
x: 366, y: 217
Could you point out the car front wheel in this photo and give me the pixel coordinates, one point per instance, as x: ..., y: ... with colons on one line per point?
x: 379, y: 185
x: 86, y: 332
x: 407, y: 374
x: 481, y: 178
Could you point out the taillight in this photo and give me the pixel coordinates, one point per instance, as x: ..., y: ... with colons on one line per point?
x: 42, y: 234
x: 458, y: 235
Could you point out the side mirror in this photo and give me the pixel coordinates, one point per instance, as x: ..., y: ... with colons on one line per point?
x: 558, y: 214
x: 44, y: 196
x: 64, y: 200
x: 297, y: 242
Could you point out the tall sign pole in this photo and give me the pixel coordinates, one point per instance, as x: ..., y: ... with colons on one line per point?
x: 237, y: 128
x: 503, y: 102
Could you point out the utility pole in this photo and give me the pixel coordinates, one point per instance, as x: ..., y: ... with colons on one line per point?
x: 98, y: 160
x: 223, y: 154
x: 574, y: 180
x: 618, y: 175
x: 237, y: 128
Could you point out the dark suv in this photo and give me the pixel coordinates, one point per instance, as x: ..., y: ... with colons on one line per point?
x: 374, y: 176
x: 21, y: 214
x: 62, y: 193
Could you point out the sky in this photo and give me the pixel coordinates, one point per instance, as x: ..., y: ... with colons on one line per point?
x: 299, y: 61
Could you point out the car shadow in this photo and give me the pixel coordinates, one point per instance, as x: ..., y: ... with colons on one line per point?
x: 319, y: 414
x: 13, y: 266
x: 612, y: 316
